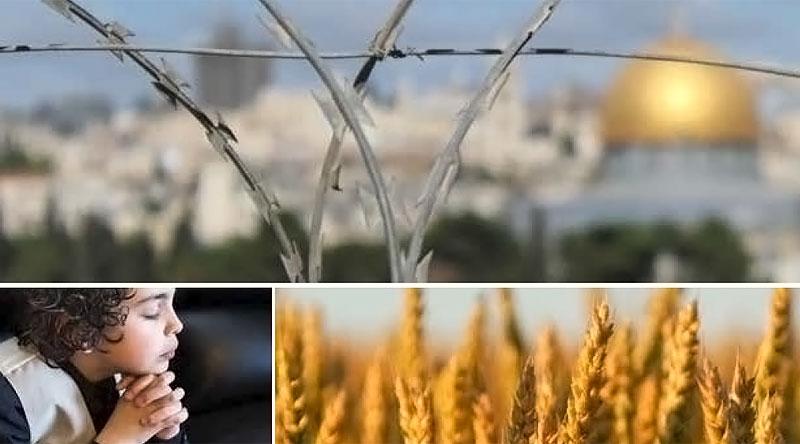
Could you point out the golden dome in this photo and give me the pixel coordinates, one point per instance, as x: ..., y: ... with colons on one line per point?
x: 661, y: 102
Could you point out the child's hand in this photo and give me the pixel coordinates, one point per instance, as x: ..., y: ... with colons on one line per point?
x: 159, y: 411
x: 130, y: 424
x: 168, y: 414
x: 143, y: 390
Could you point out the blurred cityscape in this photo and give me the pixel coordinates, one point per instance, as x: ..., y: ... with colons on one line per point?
x: 671, y: 172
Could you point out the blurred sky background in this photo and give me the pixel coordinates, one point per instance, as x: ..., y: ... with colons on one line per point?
x: 367, y: 313
x: 752, y: 30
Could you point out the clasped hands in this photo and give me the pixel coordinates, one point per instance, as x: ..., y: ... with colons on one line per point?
x: 148, y: 407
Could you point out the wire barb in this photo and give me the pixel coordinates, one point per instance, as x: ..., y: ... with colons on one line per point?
x: 62, y: 7
x: 167, y: 82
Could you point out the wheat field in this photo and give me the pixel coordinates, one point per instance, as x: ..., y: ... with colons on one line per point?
x: 651, y: 382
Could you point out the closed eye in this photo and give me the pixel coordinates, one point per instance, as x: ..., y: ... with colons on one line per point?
x: 153, y: 310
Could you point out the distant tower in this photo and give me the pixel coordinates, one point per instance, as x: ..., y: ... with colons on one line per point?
x: 230, y: 82
x: 678, y: 24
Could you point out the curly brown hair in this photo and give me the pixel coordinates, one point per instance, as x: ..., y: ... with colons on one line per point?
x: 61, y: 321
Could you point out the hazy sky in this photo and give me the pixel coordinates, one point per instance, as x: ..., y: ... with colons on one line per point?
x: 364, y: 313
x: 755, y: 30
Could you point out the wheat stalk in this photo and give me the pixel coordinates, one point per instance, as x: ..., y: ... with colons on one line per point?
x: 522, y: 420
x: 312, y: 365
x: 619, y: 388
x: 768, y: 420
x: 456, y: 426
x: 483, y: 422
x: 585, y: 402
x: 374, y: 403
x: 412, y: 388
x: 475, y: 342
x: 741, y: 414
x: 412, y: 349
x: 511, y: 351
x: 648, y: 355
x: 775, y: 347
x: 645, y: 421
x: 773, y: 360
x: 290, y: 402
x: 648, y: 352
x: 792, y: 409
x: 460, y: 383
x: 330, y: 431
x: 550, y: 384
x: 415, y: 410
x: 680, y: 367
x: 714, y: 402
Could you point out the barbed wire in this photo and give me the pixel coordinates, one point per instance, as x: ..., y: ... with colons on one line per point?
x: 169, y: 84
x: 397, y: 53
x: 347, y: 100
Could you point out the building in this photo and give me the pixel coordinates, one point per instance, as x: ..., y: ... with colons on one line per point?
x: 225, y: 82
x: 681, y: 144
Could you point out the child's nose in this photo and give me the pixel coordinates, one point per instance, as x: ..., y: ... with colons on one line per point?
x: 175, y: 325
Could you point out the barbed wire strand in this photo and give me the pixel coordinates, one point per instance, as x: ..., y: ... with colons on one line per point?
x: 219, y: 135
x: 395, y: 53
x: 382, y: 43
x: 348, y: 112
x: 442, y: 175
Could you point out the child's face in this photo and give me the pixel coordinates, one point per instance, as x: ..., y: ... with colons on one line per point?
x: 148, y: 337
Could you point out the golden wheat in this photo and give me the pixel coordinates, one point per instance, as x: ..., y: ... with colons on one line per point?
x: 580, y: 425
x: 312, y: 364
x: 522, y: 419
x: 374, y: 403
x: 680, y: 366
x: 483, y: 422
x: 330, y: 430
x: 412, y: 350
x: 773, y: 363
x: 645, y: 423
x: 768, y: 419
x: 656, y: 389
x: 456, y: 421
x: 649, y: 351
x: 511, y: 353
x: 714, y: 403
x: 647, y: 363
x: 290, y: 393
x: 741, y: 414
x: 551, y: 385
x: 415, y: 410
x: 618, y: 392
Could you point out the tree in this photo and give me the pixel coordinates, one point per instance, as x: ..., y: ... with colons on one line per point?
x: 474, y: 249
x: 136, y: 261
x: 6, y: 252
x: 710, y: 251
x: 355, y: 262
x: 36, y: 259
x: 714, y: 253
x: 239, y: 260
x: 96, y: 253
x: 609, y: 253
